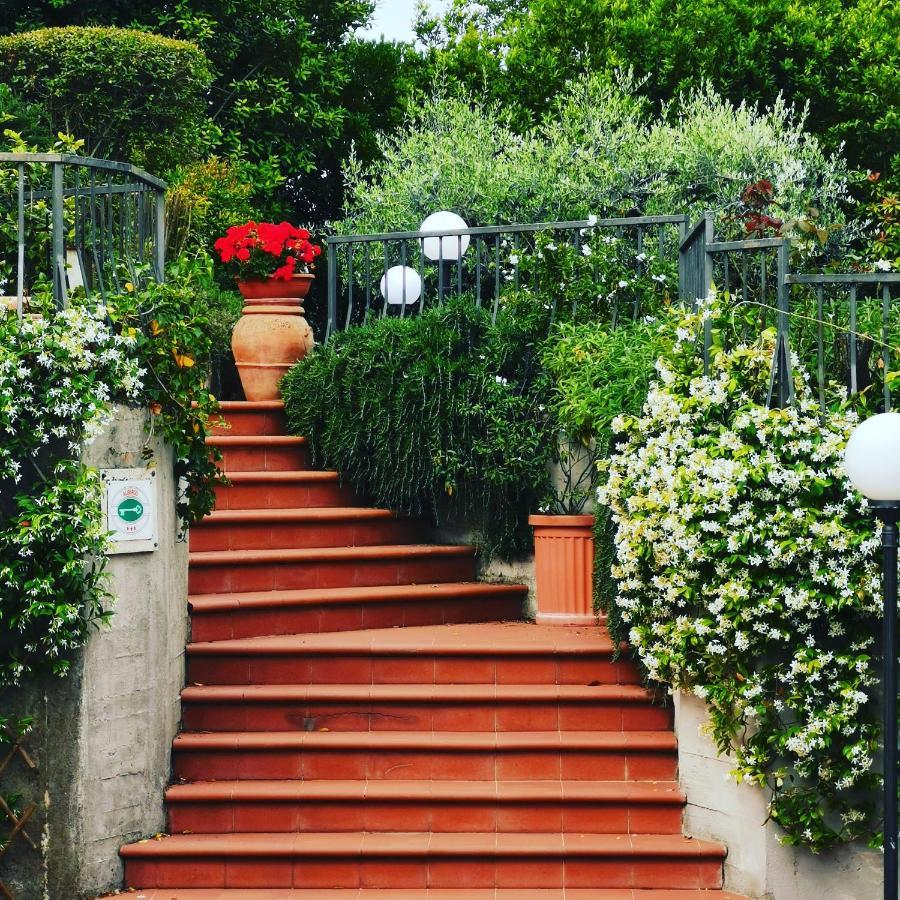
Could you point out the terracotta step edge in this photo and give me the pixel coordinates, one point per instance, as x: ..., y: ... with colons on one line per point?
x: 255, y: 440
x: 318, y: 554
x: 250, y: 405
x: 301, y: 514
x: 271, y: 477
x: 475, y: 590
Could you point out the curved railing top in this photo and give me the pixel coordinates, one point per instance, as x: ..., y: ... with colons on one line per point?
x: 87, y: 161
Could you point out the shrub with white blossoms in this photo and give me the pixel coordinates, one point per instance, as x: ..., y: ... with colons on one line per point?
x: 57, y: 377
x: 747, y: 573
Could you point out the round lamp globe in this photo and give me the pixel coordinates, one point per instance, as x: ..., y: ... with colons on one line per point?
x: 872, y: 457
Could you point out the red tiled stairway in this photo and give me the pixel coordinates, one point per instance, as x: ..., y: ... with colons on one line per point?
x: 327, y: 753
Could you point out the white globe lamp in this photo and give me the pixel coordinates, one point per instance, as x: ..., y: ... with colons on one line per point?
x: 401, y: 285
x: 872, y: 458
x: 449, y: 248
x: 872, y: 463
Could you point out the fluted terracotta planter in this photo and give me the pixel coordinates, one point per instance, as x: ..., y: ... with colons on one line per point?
x: 278, y: 289
x: 267, y: 340
x: 564, y: 568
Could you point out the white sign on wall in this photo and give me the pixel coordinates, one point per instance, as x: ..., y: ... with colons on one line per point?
x: 130, y: 510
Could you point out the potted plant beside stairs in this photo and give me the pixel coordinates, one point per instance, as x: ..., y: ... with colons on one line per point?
x: 564, y: 539
x: 273, y: 265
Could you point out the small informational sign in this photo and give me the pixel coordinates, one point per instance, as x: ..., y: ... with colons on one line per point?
x: 130, y: 508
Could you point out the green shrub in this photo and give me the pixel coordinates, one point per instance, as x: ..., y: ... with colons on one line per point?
x: 440, y: 414
x: 132, y: 96
x: 598, y: 152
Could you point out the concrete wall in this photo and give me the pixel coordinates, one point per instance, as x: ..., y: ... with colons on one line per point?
x: 757, y: 864
x: 103, y: 735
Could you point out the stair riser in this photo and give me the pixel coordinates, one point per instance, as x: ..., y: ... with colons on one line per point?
x: 229, y: 577
x: 406, y: 669
x: 285, y: 495
x: 257, y: 622
x: 416, y: 716
x: 256, y: 422
x: 522, y: 765
x: 264, y: 459
x: 424, y: 815
x: 416, y: 873
x: 297, y: 536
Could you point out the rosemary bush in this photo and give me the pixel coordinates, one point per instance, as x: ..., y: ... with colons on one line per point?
x: 441, y: 414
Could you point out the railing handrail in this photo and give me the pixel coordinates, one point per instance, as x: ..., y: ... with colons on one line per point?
x: 515, y: 228
x: 87, y: 161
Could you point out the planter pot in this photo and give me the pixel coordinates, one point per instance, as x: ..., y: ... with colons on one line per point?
x: 564, y: 568
x: 267, y: 340
x: 280, y: 289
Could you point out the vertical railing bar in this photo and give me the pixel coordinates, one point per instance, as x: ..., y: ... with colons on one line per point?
x: 762, y: 290
x: 496, y: 278
x: 368, y: 269
x: 95, y: 253
x: 403, y: 288
x: 331, y: 320
x: 159, y: 248
x: 885, y: 349
x: 478, y: 250
x: 58, y: 238
x: 384, y: 268
x: 515, y: 240
x: 459, y: 265
x: 20, y: 262
x: 707, y: 262
x: 111, y: 221
x: 853, y: 343
x: 421, y: 271
x: 820, y: 345
x: 440, y: 241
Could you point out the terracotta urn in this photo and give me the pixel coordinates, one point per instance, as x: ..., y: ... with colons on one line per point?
x: 564, y: 569
x: 268, y: 339
x: 279, y: 289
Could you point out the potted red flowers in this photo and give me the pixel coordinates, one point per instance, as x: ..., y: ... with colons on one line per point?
x: 273, y: 267
x: 269, y: 260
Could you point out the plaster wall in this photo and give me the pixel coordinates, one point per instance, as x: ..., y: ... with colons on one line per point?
x: 758, y: 865
x: 103, y: 735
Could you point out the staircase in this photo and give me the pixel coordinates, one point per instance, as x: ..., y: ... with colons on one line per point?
x: 328, y: 753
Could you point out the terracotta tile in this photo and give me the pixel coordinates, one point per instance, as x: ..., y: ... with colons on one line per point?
x: 265, y: 817
x: 655, y: 819
x: 326, y: 873
x: 462, y: 717
x: 464, y: 817
x: 591, y: 766
x: 664, y: 873
x: 526, y: 671
x: 393, y: 874
x: 595, y: 818
x: 589, y: 717
x: 461, y: 873
x: 259, y: 873
x: 271, y: 764
x: 378, y: 816
x: 527, y: 717
x: 402, y: 670
x: 468, y: 766
x: 516, y: 766
x: 197, y: 818
x: 652, y: 766
x: 646, y: 718
x: 529, y: 872
x: 464, y: 670
x: 187, y: 873
x: 588, y: 873
x: 340, y: 670
x: 529, y: 818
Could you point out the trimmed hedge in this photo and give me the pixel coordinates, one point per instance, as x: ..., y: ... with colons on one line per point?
x: 130, y: 95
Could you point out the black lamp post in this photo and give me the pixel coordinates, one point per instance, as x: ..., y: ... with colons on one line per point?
x: 872, y: 462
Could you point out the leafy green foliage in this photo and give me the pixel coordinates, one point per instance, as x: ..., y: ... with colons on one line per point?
x: 598, y: 153
x: 440, y: 414
x: 840, y: 59
x: 746, y: 572
x: 131, y: 95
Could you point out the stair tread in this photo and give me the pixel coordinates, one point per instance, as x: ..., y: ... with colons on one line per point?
x: 427, y: 740
x: 278, y: 475
x: 250, y: 405
x: 260, y: 599
x: 255, y: 440
x: 313, y: 554
x: 298, y: 514
x: 496, y: 639
x: 424, y: 844
x: 415, y: 693
x: 426, y: 894
x: 283, y: 790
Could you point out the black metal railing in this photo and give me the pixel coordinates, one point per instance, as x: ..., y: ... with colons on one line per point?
x: 70, y: 222
x: 480, y: 261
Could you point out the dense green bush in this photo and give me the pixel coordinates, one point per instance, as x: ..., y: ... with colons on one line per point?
x: 130, y: 95
x: 599, y: 152
x: 440, y: 414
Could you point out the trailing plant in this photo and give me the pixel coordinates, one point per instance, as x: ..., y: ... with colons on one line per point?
x: 440, y: 414
x: 266, y: 250
x: 747, y: 574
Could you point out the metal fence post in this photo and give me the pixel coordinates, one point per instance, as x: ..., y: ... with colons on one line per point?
x: 160, y: 249
x: 332, y: 288
x: 58, y: 238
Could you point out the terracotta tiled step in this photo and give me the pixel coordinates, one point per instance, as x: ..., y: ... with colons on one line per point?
x: 428, y: 894
x: 514, y: 755
x: 607, y: 807
x: 422, y: 859
x: 221, y: 616
x: 502, y: 653
x: 330, y: 526
x: 245, y: 417
x: 260, y: 453
x: 283, y: 490
x: 420, y: 707
x: 273, y: 570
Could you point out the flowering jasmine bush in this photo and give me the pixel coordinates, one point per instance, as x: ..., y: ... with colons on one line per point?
x: 746, y: 573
